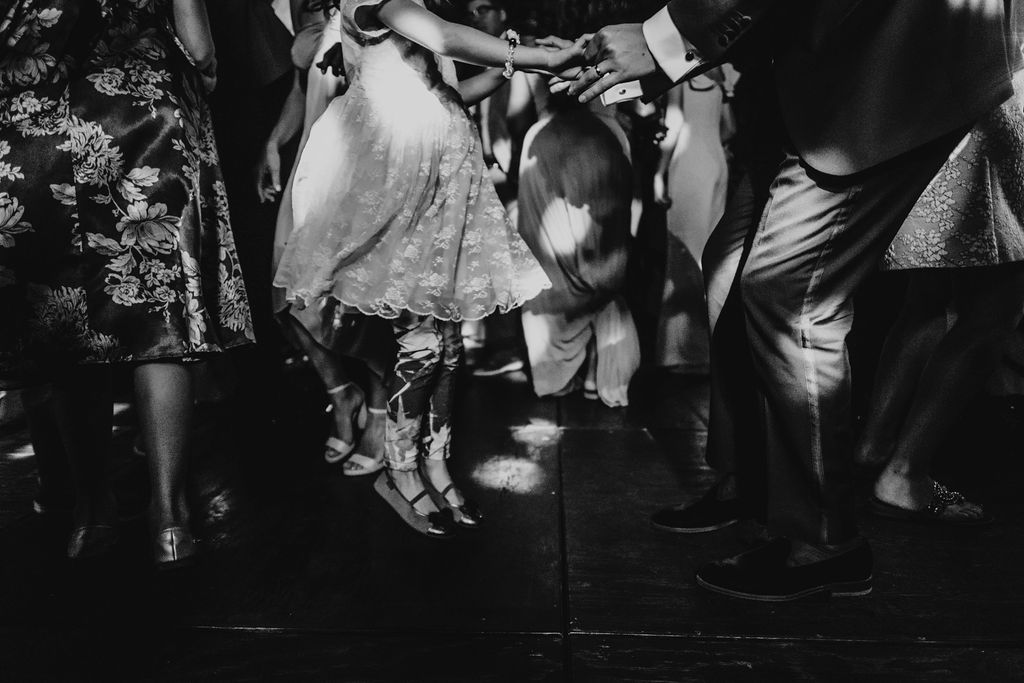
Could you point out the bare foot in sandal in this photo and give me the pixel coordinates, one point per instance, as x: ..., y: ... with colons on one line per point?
x: 368, y: 456
x: 348, y: 409
x: 897, y: 495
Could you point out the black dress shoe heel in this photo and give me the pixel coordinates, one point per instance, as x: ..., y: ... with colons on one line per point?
x: 706, y: 515
x: 851, y: 589
x: 174, y: 547
x: 91, y: 540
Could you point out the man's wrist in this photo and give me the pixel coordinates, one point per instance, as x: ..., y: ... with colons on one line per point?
x: 674, y: 55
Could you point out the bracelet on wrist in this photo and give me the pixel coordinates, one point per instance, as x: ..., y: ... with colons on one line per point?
x: 510, y: 60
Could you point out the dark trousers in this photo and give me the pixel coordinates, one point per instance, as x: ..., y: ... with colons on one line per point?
x: 781, y: 418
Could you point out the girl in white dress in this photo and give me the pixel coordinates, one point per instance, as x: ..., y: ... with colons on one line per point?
x: 394, y: 216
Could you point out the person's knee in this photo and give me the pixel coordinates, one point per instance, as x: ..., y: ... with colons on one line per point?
x: 421, y: 351
x: 760, y: 291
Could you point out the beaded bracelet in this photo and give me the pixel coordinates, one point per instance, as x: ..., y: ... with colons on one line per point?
x: 513, y: 43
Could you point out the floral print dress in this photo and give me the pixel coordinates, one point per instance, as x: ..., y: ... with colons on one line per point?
x: 972, y: 213
x: 115, y: 243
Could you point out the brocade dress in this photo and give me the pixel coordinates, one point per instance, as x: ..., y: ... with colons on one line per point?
x: 115, y: 244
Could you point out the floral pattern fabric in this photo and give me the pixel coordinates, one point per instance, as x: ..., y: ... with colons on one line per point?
x: 115, y: 243
x: 393, y: 209
x: 972, y: 213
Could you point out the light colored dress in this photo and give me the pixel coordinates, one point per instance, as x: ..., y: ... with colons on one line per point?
x: 575, y: 202
x: 697, y: 182
x: 392, y: 206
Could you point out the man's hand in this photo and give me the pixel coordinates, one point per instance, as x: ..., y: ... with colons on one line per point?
x: 616, y: 54
x: 268, y: 173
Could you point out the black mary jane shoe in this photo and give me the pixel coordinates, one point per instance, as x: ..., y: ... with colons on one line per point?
x: 466, y: 516
x: 764, y: 574
x: 436, y: 525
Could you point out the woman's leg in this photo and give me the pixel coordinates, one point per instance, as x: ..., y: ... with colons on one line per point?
x: 989, y: 303
x: 371, y: 443
x: 51, y: 459
x: 345, y: 396
x: 82, y: 411
x: 163, y: 396
x: 441, y: 404
x: 410, y: 387
x: 919, y: 327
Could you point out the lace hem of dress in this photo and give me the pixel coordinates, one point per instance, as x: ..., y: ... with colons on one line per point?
x: 389, y: 311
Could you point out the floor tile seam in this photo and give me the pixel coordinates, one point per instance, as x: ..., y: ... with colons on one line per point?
x: 565, y: 574
x: 326, y: 631
x: 1001, y: 643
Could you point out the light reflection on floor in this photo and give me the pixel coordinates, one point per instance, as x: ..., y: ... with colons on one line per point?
x: 16, y: 450
x: 520, y: 472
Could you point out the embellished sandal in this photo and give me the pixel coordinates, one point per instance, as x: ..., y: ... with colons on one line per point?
x: 467, y: 515
x: 943, y: 498
x: 432, y: 525
x: 362, y: 464
x: 338, y: 450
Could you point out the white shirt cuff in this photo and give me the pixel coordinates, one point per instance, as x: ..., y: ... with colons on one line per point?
x: 673, y: 53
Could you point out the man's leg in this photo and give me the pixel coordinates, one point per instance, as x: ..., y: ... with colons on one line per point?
x: 735, y: 435
x: 818, y: 240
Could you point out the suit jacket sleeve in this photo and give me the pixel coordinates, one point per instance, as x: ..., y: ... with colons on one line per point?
x: 688, y: 37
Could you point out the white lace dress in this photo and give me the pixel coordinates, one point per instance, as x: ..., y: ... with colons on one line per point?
x: 393, y: 209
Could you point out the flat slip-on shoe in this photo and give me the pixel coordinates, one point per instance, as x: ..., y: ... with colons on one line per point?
x: 764, y: 575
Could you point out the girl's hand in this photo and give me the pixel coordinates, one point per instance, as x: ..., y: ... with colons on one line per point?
x: 268, y: 173
x: 564, y: 58
x: 553, y: 42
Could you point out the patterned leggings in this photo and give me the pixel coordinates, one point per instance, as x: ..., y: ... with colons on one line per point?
x: 420, y: 390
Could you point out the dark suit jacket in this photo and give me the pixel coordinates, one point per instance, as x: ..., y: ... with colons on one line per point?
x: 862, y: 81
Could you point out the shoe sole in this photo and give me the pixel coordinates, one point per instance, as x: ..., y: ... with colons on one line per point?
x: 849, y: 589
x: 695, y: 530
x: 879, y: 508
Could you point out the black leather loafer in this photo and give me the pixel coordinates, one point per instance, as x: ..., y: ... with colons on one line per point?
x: 707, y: 514
x: 763, y: 574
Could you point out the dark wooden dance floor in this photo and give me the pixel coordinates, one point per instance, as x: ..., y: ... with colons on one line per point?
x: 308, y: 576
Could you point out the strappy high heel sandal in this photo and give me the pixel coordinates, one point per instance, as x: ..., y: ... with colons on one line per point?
x: 432, y: 525
x: 467, y: 515
x: 338, y: 450
x: 363, y: 464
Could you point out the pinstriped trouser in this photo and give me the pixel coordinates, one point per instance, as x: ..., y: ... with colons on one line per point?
x: 420, y: 390
x: 781, y: 415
